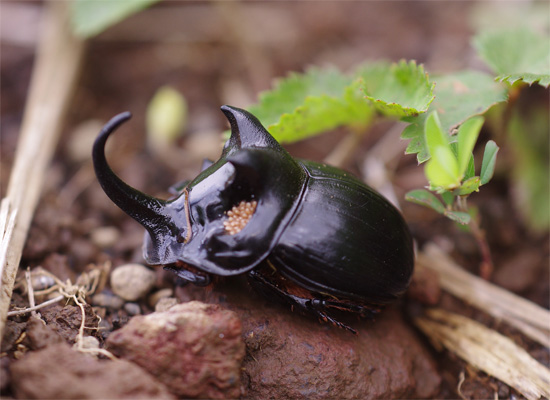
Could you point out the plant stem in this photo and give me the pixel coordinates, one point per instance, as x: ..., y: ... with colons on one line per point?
x: 345, y: 148
x: 486, y: 267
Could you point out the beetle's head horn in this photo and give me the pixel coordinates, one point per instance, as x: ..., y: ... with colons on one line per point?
x: 246, y: 131
x: 149, y: 211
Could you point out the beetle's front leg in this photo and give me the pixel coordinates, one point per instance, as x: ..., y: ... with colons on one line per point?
x: 199, y: 279
x: 307, y: 305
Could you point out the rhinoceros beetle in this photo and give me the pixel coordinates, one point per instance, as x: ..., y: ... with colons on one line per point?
x: 307, y: 233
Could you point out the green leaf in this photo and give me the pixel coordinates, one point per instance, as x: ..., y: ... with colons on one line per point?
x: 304, y: 105
x: 91, y: 17
x: 458, y: 216
x: 516, y: 54
x: 448, y: 197
x: 459, y: 96
x: 471, y: 169
x: 417, y: 144
x: 435, y: 137
x: 442, y: 169
x: 529, y: 145
x: 488, y: 163
x: 397, y: 90
x: 469, y: 186
x: 425, y: 198
x: 467, y: 137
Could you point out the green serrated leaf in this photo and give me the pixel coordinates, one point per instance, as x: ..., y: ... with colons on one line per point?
x: 488, y: 163
x: 425, y: 198
x: 468, y: 186
x: 417, y: 144
x: 468, y: 133
x: 541, y: 79
x: 442, y: 169
x: 397, y: 90
x: 91, y: 17
x: 459, y: 96
x: 458, y: 216
x: 516, y: 54
x: 304, y: 105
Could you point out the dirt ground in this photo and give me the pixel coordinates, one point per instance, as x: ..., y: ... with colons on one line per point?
x: 219, y: 53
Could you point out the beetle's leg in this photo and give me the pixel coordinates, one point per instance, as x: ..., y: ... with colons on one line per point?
x: 368, y: 312
x: 188, y: 276
x: 302, y: 304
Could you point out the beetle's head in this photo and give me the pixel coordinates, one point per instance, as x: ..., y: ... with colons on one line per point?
x: 228, y: 218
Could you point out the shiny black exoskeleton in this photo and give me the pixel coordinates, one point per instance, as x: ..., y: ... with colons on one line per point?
x: 307, y: 233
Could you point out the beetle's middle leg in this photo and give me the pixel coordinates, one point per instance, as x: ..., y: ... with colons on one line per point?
x: 298, y: 298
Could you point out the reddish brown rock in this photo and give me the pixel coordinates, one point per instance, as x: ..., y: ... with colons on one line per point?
x: 295, y: 356
x: 308, y: 361
x: 59, y: 372
x: 195, y: 349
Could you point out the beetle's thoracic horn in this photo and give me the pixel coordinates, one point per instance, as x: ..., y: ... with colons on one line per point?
x: 247, y: 130
x: 147, y: 210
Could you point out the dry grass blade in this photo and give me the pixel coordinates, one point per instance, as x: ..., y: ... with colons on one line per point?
x: 56, y: 67
x: 7, y: 225
x: 488, y: 351
x: 529, y: 318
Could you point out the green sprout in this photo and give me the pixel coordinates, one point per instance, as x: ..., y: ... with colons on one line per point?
x: 451, y: 169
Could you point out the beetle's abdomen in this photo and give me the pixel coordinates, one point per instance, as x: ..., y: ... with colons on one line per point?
x: 345, y: 240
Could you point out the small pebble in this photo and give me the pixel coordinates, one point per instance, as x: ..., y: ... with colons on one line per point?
x: 41, y: 282
x: 165, y: 304
x: 132, y: 308
x: 159, y: 294
x: 109, y: 300
x: 105, y: 328
x: 105, y: 236
x: 90, y: 342
x: 132, y: 281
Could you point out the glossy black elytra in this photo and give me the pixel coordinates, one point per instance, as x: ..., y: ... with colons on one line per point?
x: 307, y: 233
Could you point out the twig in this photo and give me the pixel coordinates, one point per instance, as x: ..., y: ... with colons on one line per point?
x: 30, y: 291
x: 57, y: 63
x: 529, y: 318
x: 38, y: 307
x: 7, y: 225
x: 488, y: 351
x: 461, y: 379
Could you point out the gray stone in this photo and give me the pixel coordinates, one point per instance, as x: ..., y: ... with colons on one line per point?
x: 132, y: 281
